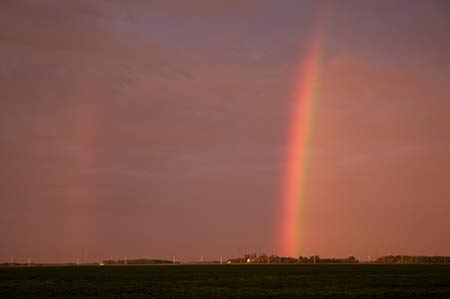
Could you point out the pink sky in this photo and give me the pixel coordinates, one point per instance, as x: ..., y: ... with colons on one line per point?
x: 147, y: 129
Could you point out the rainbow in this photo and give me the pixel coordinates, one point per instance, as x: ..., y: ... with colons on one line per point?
x: 299, y: 143
x: 84, y: 128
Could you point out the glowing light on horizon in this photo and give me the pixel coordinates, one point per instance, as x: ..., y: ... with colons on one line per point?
x: 299, y: 143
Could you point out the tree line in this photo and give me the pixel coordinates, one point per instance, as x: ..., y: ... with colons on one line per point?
x: 412, y: 259
x: 253, y: 258
x: 137, y: 262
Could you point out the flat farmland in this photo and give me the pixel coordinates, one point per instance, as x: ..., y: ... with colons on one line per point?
x: 228, y: 281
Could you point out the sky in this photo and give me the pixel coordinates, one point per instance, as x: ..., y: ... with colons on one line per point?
x: 158, y: 128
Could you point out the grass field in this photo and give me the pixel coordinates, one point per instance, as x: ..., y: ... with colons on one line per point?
x: 228, y: 281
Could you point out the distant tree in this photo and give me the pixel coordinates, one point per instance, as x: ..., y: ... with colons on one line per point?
x: 406, y: 259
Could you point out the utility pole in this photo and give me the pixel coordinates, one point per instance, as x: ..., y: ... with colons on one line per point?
x: 29, y: 262
x: 174, y: 260
x: 201, y: 259
x: 221, y: 260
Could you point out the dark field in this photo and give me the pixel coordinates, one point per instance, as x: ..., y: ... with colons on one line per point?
x: 228, y: 281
